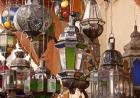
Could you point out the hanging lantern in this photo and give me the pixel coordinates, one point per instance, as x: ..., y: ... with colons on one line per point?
x: 110, y: 81
x: 7, y: 42
x: 7, y: 17
x: 3, y: 70
x: 132, y: 59
x: 21, y: 66
x: 112, y: 56
x: 92, y: 23
x: 71, y: 50
x: 32, y: 18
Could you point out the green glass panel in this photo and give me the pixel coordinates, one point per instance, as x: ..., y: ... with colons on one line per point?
x: 33, y: 85
x: 58, y: 86
x: 70, y: 58
x: 81, y: 46
x: 10, y: 40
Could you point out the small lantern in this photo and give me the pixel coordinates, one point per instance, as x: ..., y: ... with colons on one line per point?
x: 132, y: 58
x: 110, y: 80
x: 7, y: 42
x: 92, y: 23
x: 7, y: 16
x: 21, y: 66
x: 71, y: 50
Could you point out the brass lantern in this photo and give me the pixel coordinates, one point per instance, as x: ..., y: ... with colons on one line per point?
x: 71, y: 51
x: 110, y: 80
x: 7, y: 42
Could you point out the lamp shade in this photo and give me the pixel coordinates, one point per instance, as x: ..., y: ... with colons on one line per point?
x: 92, y: 23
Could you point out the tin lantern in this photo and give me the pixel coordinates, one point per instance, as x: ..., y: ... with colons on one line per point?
x: 110, y: 80
x: 131, y: 57
x: 7, y: 42
x: 71, y: 51
x: 92, y: 23
x: 21, y: 67
x: 32, y: 18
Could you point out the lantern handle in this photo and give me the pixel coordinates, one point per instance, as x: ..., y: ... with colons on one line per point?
x: 111, y: 42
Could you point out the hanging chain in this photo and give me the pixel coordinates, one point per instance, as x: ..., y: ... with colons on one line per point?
x: 43, y: 26
x: 135, y: 15
x: 111, y: 17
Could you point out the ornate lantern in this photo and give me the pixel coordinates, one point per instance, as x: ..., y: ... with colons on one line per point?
x: 7, y: 42
x: 92, y: 23
x: 110, y: 80
x: 7, y: 16
x: 132, y: 58
x: 32, y: 17
x: 21, y: 67
x: 71, y: 50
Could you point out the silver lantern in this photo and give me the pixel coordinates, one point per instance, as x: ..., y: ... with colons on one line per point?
x: 132, y: 60
x: 92, y: 23
x: 71, y: 51
x: 32, y: 17
x: 21, y: 67
x: 110, y: 80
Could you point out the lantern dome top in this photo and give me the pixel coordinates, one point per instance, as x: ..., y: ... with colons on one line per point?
x: 112, y: 57
x: 133, y: 47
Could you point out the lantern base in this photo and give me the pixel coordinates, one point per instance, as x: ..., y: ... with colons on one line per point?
x: 73, y: 80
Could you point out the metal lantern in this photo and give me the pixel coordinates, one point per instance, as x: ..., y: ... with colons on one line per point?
x: 110, y: 80
x: 7, y: 16
x: 71, y: 50
x: 3, y: 75
x: 92, y: 23
x: 7, y: 42
x: 21, y: 67
x: 32, y: 17
x: 132, y: 59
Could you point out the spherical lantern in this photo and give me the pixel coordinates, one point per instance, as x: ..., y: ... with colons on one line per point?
x: 7, y: 16
x: 32, y: 17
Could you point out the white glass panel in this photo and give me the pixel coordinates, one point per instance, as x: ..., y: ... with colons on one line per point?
x: 62, y: 58
x: 79, y: 55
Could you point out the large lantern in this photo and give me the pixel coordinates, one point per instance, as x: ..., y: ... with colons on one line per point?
x: 7, y: 42
x: 71, y: 50
x: 32, y: 17
x: 110, y: 80
x: 132, y: 59
x: 92, y: 23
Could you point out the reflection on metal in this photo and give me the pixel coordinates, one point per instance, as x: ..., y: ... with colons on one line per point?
x: 132, y: 55
x: 110, y: 80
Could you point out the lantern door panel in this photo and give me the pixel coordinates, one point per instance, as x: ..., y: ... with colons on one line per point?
x: 136, y: 72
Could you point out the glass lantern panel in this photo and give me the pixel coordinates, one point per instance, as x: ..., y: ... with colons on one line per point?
x: 10, y: 40
x: 62, y: 58
x: 3, y: 40
x: 70, y: 58
x: 79, y: 55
